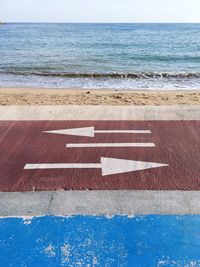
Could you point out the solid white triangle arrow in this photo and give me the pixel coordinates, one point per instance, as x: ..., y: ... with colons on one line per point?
x: 115, y: 166
x: 85, y: 131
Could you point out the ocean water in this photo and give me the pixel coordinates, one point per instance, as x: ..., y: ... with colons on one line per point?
x: 100, y: 55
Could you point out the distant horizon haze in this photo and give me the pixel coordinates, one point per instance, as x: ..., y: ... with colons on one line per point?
x: 100, y: 11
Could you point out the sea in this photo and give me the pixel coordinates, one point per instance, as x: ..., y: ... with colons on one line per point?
x: 115, y: 56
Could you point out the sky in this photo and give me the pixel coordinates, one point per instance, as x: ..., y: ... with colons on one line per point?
x: 100, y: 11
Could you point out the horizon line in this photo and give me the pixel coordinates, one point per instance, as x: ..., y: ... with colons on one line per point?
x: 60, y: 22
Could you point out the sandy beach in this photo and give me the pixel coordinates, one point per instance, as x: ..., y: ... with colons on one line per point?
x: 27, y: 96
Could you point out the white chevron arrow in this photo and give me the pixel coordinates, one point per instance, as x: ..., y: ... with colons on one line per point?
x: 108, y: 166
x: 90, y: 131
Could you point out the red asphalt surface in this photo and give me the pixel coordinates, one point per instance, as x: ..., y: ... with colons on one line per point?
x: 177, y: 144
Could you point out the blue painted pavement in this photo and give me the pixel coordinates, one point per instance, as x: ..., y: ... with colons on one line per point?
x: 152, y: 240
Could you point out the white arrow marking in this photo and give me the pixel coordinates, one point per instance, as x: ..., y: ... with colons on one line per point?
x: 90, y: 131
x: 112, y: 145
x: 116, y: 166
x: 109, y: 166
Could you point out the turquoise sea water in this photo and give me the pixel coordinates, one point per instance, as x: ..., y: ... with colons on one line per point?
x: 100, y: 55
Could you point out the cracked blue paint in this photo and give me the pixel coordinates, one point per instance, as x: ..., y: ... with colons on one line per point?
x: 153, y: 240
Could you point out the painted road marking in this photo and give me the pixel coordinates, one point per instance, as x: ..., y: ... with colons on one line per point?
x: 152, y: 240
x: 90, y: 131
x: 43, y: 166
x: 177, y: 144
x: 111, y: 145
x: 109, y: 166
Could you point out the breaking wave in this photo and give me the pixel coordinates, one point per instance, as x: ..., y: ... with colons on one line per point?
x: 112, y: 75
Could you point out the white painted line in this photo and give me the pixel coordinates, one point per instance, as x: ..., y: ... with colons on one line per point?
x: 26, y: 113
x: 90, y: 131
x: 99, y: 202
x: 112, y: 145
x: 62, y: 166
x: 109, y: 166
x: 123, y: 131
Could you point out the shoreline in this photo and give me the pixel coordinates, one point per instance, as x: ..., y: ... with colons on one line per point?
x: 75, y: 96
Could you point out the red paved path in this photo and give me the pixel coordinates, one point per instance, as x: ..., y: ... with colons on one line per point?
x: 177, y: 144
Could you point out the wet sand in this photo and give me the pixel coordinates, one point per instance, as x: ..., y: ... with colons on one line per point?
x: 29, y: 96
